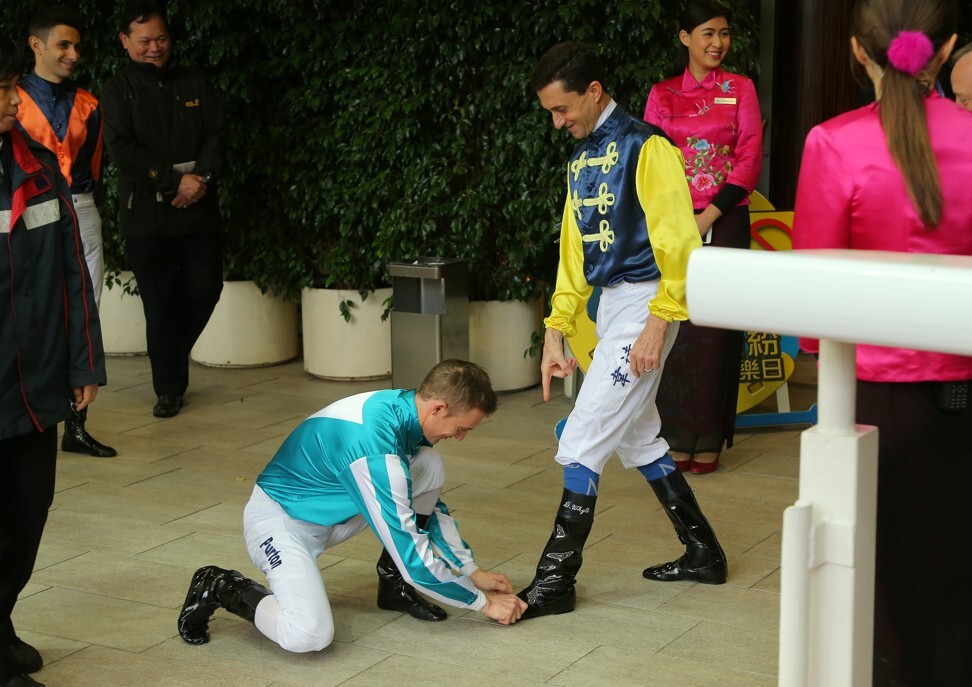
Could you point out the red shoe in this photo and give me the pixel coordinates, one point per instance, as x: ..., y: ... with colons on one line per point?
x: 683, y: 461
x: 704, y: 468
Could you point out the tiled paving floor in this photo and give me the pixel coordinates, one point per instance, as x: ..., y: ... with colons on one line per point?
x: 125, y: 534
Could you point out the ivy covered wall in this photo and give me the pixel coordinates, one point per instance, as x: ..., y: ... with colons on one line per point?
x: 369, y: 131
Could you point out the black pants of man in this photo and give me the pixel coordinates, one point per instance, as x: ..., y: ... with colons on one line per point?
x: 179, y: 279
x: 28, y: 465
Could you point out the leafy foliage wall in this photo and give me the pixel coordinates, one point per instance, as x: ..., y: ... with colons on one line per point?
x: 366, y: 132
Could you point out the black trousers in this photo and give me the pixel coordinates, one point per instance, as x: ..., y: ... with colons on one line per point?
x: 28, y: 462
x: 923, y: 597
x: 179, y: 279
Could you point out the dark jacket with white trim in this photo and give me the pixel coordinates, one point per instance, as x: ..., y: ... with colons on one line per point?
x: 50, y: 335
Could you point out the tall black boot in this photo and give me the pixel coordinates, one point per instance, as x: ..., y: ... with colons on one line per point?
x: 552, y: 590
x: 394, y: 594
x: 704, y: 560
x: 213, y: 588
x: 77, y: 440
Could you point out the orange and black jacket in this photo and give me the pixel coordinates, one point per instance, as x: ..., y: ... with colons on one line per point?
x: 155, y: 119
x: 50, y: 335
x: 66, y: 120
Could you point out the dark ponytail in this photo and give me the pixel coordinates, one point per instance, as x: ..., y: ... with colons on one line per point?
x: 878, y: 25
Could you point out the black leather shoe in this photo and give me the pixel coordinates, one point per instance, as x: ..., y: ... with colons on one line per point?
x: 682, y: 569
x: 22, y: 681
x: 27, y: 657
x: 406, y: 600
x: 565, y: 602
x: 168, y: 406
x: 394, y: 594
x: 77, y: 440
x: 200, y: 604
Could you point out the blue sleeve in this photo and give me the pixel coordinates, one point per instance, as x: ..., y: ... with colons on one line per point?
x: 382, y: 490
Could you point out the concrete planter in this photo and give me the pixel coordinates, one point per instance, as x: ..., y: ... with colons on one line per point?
x: 339, y: 350
x: 122, y: 320
x: 499, y: 333
x: 248, y: 329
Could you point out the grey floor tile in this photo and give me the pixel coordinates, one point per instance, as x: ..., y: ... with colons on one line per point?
x: 728, y: 646
x: 612, y: 667
x: 108, y: 667
x: 94, y: 619
x: 530, y: 650
x: 238, y: 648
x: 124, y: 536
x: 405, y: 671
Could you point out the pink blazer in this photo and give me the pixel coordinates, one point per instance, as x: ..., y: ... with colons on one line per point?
x: 851, y: 195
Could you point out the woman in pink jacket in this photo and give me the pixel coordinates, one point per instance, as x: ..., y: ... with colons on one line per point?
x: 713, y: 116
x: 894, y: 176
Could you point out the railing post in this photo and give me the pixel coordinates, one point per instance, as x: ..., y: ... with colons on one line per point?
x: 827, y: 586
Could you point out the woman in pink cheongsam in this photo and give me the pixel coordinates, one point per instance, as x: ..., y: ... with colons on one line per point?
x: 894, y: 176
x: 713, y: 116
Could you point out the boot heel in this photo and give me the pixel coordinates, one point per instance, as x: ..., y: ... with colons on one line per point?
x: 717, y: 573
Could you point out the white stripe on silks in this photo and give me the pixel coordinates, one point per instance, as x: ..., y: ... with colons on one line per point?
x: 450, y: 533
x: 397, y: 480
x: 350, y: 409
x: 34, y: 216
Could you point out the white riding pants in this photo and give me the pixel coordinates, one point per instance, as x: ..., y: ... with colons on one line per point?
x: 615, y: 411
x: 297, y: 616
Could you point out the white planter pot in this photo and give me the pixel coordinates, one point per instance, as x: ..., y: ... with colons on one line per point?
x: 339, y: 350
x: 122, y: 320
x: 499, y: 333
x: 248, y: 329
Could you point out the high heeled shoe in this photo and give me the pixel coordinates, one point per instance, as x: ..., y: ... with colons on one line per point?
x: 704, y: 467
x: 683, y: 461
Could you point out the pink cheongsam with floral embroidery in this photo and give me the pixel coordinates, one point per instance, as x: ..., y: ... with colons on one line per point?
x: 718, y: 127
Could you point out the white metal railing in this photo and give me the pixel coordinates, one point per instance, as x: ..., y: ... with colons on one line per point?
x: 843, y: 298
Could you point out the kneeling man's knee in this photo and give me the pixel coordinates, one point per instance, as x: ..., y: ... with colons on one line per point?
x: 304, y: 639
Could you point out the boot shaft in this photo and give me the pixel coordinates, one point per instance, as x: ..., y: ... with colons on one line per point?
x: 563, y: 553
x: 240, y: 595
x: 690, y: 524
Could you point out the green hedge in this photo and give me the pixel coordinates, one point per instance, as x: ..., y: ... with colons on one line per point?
x: 366, y: 132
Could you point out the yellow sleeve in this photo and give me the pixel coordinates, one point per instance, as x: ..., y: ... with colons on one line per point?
x: 572, y: 290
x: 667, y: 204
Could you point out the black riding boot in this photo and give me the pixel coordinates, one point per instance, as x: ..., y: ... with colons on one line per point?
x: 704, y: 560
x: 213, y: 588
x: 552, y: 589
x: 77, y: 440
x: 394, y: 594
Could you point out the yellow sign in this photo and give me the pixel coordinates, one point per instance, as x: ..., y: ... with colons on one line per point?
x: 768, y: 359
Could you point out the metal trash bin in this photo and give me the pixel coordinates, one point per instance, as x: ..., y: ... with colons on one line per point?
x: 430, y: 319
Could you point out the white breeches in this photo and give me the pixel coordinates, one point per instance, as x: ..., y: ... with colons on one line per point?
x: 298, y: 615
x: 615, y: 411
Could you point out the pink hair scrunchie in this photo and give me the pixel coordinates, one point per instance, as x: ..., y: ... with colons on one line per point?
x: 910, y: 51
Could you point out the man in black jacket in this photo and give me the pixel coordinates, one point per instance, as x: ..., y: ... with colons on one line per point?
x: 50, y: 351
x: 164, y: 132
